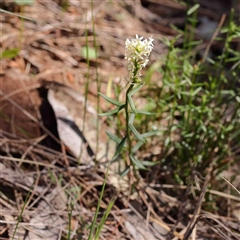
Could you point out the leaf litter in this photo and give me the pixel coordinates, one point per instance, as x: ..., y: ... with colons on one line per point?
x: 50, y: 45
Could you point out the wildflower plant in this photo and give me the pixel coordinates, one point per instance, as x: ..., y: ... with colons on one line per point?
x: 137, y: 55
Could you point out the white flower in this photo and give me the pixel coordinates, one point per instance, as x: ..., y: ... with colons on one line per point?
x: 137, y: 54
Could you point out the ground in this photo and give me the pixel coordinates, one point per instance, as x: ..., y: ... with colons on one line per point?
x: 40, y: 176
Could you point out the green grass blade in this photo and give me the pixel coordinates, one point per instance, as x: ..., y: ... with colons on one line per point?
x: 193, y: 9
x: 104, y: 218
x: 94, y: 223
x: 23, y: 208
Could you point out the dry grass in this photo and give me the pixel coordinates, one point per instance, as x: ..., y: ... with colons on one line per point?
x: 48, y: 186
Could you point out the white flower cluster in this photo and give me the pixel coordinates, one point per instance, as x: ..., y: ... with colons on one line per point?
x: 137, y: 54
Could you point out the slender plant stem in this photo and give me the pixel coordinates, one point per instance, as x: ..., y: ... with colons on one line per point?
x: 127, y: 126
x: 97, y: 80
x: 23, y: 208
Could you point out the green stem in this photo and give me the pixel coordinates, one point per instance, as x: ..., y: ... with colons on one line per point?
x: 127, y: 122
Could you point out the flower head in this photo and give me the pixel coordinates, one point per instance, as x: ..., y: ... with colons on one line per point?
x: 137, y: 54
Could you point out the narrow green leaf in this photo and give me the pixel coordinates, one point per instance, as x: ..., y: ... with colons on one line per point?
x: 144, y: 112
x: 136, y: 133
x: 196, y: 91
x: 112, y: 112
x: 113, y: 137
x: 113, y: 101
x: 193, y: 9
x: 167, y: 141
x: 124, y: 172
x: 149, y: 164
x: 109, y: 113
x: 131, y: 103
x: 137, y: 162
x: 119, y: 148
x: 104, y: 218
x: 228, y: 92
x: 131, y: 119
x: 148, y: 134
x: 136, y: 89
x: 137, y: 146
x: 94, y: 222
